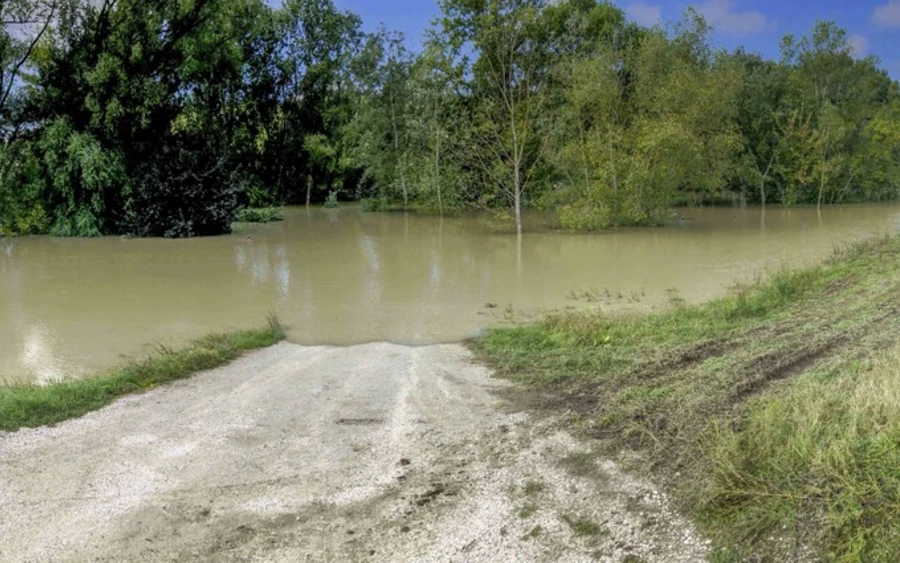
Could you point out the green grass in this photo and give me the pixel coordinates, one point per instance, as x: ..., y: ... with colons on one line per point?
x: 825, y: 449
x: 778, y: 406
x: 260, y: 215
x: 582, y: 526
x: 527, y: 511
x: 26, y: 406
x: 533, y: 487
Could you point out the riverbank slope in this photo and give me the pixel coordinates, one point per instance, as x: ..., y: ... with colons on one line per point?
x: 773, y: 413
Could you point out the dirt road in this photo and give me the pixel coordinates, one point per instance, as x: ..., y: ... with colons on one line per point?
x: 370, y: 453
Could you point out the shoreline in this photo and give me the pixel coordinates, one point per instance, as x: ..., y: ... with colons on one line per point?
x: 769, y: 412
x: 30, y: 406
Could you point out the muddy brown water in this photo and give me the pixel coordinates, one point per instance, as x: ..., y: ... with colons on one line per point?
x: 76, y: 307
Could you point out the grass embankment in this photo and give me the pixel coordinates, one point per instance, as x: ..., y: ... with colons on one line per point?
x: 26, y: 406
x: 774, y: 413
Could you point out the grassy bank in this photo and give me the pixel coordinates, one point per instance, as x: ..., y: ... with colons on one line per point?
x: 773, y: 413
x: 26, y: 406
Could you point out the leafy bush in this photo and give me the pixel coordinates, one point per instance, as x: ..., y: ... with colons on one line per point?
x: 184, y: 190
x: 373, y: 204
x: 332, y: 200
x: 259, y: 215
x: 22, y: 212
x: 81, y: 177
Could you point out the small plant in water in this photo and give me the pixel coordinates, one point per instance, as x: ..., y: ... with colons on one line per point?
x: 332, y: 200
x: 589, y: 295
x: 373, y: 204
x: 675, y: 298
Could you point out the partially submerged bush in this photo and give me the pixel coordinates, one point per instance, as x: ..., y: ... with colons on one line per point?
x: 260, y: 215
x: 373, y: 204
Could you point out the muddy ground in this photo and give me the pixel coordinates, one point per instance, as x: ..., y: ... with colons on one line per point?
x: 370, y: 453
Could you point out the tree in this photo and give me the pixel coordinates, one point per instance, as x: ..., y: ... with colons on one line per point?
x: 438, y: 129
x: 629, y: 142
x: 24, y: 24
x: 508, y: 92
x: 381, y: 124
x: 877, y: 164
x: 317, y: 48
x: 760, y: 101
x: 831, y: 96
x: 154, y: 89
x: 323, y: 161
x: 162, y: 117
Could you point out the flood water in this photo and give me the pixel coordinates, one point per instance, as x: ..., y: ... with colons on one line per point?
x: 76, y: 307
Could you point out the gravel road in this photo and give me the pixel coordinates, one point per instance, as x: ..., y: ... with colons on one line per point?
x: 370, y: 453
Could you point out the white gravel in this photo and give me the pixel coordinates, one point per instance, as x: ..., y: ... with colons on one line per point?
x: 371, y: 453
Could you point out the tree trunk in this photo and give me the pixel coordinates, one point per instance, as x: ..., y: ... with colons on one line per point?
x: 518, y: 201
x: 821, y: 188
x: 764, y: 179
x: 519, y: 265
x: 309, y: 183
x: 822, y: 176
x: 437, y: 173
x: 616, y: 204
x: 584, y: 159
x: 403, y: 182
x: 517, y: 173
x: 397, y: 151
x: 517, y: 194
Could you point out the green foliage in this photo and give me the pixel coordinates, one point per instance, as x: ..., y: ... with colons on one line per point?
x: 162, y: 118
x: 259, y: 215
x: 381, y: 127
x: 331, y: 201
x: 22, y: 209
x: 81, y: 176
x: 374, y: 204
x: 157, y: 118
x: 828, y: 449
x: 676, y: 113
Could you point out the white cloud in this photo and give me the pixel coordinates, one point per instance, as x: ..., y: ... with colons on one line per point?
x: 644, y: 14
x: 724, y: 17
x: 859, y: 45
x: 887, y: 15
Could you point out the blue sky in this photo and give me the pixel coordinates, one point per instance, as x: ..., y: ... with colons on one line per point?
x: 873, y: 25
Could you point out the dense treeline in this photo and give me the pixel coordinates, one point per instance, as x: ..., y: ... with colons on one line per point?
x: 164, y: 117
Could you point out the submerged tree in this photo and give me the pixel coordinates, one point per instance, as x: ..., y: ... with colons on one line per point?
x: 629, y: 143
x: 438, y: 131
x: 508, y: 93
x: 162, y: 117
x: 381, y: 125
